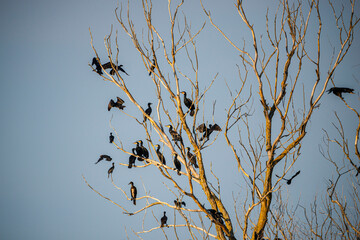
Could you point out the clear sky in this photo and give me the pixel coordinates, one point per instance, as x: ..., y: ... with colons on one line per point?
x: 54, y: 121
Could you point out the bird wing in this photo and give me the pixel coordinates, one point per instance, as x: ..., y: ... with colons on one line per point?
x: 216, y: 127
x: 119, y: 101
x: 107, y: 65
x: 111, y: 104
x: 201, y: 128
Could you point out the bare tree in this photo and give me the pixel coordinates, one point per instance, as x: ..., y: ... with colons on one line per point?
x: 278, y: 59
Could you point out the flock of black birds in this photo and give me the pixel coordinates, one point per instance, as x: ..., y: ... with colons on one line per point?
x: 141, y: 153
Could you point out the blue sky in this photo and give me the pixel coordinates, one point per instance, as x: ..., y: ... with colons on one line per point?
x: 54, y: 121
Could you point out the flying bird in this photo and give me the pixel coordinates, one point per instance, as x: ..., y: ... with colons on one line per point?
x: 178, y: 203
x: 338, y: 91
x: 132, y: 158
x: 160, y: 155
x: 106, y: 157
x: 147, y: 111
x: 133, y: 192
x: 164, y: 220
x: 111, y: 169
x: 192, y: 158
x: 207, y: 131
x: 118, y: 104
x: 189, y: 104
x: 111, y: 138
x: 288, y: 181
x: 177, y: 164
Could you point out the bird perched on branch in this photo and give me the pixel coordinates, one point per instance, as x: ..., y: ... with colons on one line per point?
x: 133, y: 193
x: 216, y: 215
x: 145, y: 152
x: 163, y: 220
x: 160, y: 155
x: 288, y: 181
x: 207, y: 131
x: 106, y: 157
x: 139, y: 151
x: 132, y: 158
x: 147, y: 111
x: 338, y: 91
x: 96, y: 62
x: 174, y: 134
x: 177, y: 164
x: 178, y: 203
x: 111, y: 169
x: 152, y: 67
x: 118, y: 104
x: 111, y: 138
x: 192, y: 158
x: 189, y: 104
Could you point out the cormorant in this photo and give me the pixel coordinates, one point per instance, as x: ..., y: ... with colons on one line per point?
x: 207, y: 131
x: 106, y: 157
x: 160, y: 155
x: 179, y: 203
x: 177, y: 164
x: 111, y: 138
x: 96, y: 61
x: 148, y: 111
x: 174, y: 134
x: 338, y: 91
x: 192, y: 158
x: 132, y: 159
x: 110, y: 171
x: 152, y: 67
x: 118, y: 104
x: 139, y: 151
x: 145, y: 152
x: 112, y: 71
x: 106, y: 65
x: 133, y: 192
x: 189, y: 104
x: 163, y: 220
x: 288, y: 181
x: 216, y: 215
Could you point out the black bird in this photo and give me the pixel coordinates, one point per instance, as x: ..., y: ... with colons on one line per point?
x: 145, y: 152
x: 133, y: 192
x: 139, y: 151
x: 358, y: 171
x: 106, y: 157
x: 152, y: 67
x: 177, y: 164
x: 110, y: 171
x: 178, y: 203
x: 163, y: 220
x: 174, y: 134
x: 189, y: 104
x: 207, y: 131
x: 338, y: 91
x: 148, y: 111
x: 118, y: 104
x: 111, y: 138
x: 112, y: 71
x: 96, y: 62
x: 160, y: 155
x: 107, y: 65
x: 216, y: 215
x: 192, y: 158
x: 132, y: 158
x: 288, y: 181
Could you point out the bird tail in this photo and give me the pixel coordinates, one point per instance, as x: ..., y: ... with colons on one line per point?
x: 108, y: 175
x: 130, y: 165
x: 162, y: 225
x: 134, y: 201
x: 178, y: 172
x: 195, y: 165
x: 192, y: 112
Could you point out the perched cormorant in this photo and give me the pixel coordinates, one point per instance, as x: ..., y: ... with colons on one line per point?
x: 216, y: 215
x: 178, y: 203
x: 338, y: 91
x: 288, y: 181
x: 207, y: 131
x: 106, y: 157
x: 118, y: 104
x: 148, y: 111
x: 192, y: 158
x: 152, y: 67
x: 111, y: 138
x: 145, y: 152
x: 111, y: 169
x: 174, y: 134
x: 133, y: 192
x: 160, y: 155
x: 189, y: 104
x: 132, y: 159
x: 96, y: 61
x: 163, y: 220
x: 177, y: 164
x: 139, y: 151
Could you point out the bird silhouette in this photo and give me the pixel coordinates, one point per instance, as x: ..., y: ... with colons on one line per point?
x: 106, y: 157
x: 192, y: 158
x: 145, y: 152
x: 163, y: 220
x: 288, y: 181
x: 338, y: 91
x: 118, y: 104
x: 215, y: 215
x: 112, y: 71
x: 111, y: 169
x: 178, y: 203
x: 133, y: 193
x: 132, y: 158
x: 189, y: 104
x: 160, y: 155
x: 174, y: 134
x: 152, y: 67
x: 148, y: 111
x: 96, y: 62
x: 139, y: 151
x: 177, y: 164
x: 207, y: 131
x: 111, y: 138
